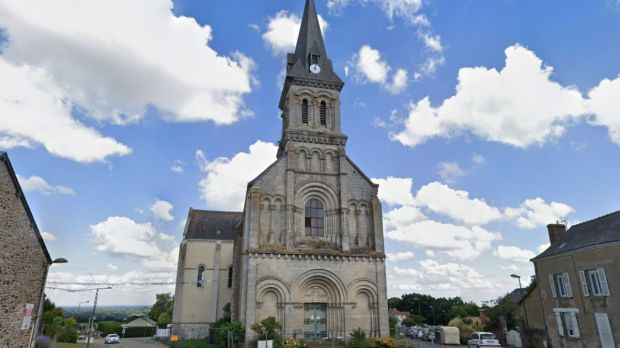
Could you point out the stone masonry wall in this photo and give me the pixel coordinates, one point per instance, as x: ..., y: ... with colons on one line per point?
x: 22, y: 265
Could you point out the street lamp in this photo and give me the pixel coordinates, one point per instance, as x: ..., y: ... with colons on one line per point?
x: 91, y: 321
x: 433, y: 311
x: 42, y: 300
x: 527, y: 325
x: 79, y: 304
x: 444, y: 318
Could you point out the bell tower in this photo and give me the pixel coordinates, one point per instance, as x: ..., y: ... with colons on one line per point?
x: 310, y: 100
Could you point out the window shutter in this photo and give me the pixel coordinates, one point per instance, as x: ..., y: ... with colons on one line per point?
x: 584, y: 283
x: 604, y: 330
x: 573, y: 319
x: 603, y: 279
x: 558, y: 320
x: 569, y: 291
x: 552, y: 285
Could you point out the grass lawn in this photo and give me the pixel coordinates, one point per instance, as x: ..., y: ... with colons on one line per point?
x: 74, y: 345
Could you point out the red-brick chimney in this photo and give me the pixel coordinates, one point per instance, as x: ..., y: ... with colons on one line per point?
x: 556, y: 231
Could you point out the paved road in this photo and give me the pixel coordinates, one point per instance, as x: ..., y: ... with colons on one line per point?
x: 422, y: 344
x: 133, y: 343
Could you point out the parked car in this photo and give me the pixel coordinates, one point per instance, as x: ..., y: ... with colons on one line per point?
x: 420, y: 334
x: 483, y: 339
x: 430, y: 336
x: 111, y: 339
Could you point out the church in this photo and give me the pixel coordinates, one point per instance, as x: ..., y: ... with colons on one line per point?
x: 308, y: 247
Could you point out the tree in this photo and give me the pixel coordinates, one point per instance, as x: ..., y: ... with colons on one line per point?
x: 163, y: 304
x: 48, y: 318
x: 393, y: 302
x: 414, y: 320
x: 163, y: 320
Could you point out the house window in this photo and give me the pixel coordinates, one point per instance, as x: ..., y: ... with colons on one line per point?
x: 594, y: 282
x: 230, y: 276
x: 566, y: 320
x: 323, y: 114
x: 560, y: 285
x: 304, y: 111
x: 201, y: 276
x: 314, y: 218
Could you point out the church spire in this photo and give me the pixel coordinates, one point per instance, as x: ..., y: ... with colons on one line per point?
x: 310, y: 59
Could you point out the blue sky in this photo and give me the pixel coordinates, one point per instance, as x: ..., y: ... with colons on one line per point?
x: 482, y: 120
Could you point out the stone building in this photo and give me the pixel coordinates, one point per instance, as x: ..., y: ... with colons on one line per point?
x: 309, y: 246
x: 24, y: 262
x: 205, y: 270
x: 579, y: 283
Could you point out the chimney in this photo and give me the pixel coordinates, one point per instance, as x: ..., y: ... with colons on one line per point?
x: 556, y: 231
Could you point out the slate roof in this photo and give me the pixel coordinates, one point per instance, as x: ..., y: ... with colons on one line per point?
x: 206, y: 224
x: 310, y: 41
x: 4, y: 157
x: 517, y: 295
x: 599, y: 231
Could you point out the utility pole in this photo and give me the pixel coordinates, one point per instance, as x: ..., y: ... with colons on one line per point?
x: 91, y: 321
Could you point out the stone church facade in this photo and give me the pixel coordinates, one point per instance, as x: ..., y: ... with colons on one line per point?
x: 309, y: 245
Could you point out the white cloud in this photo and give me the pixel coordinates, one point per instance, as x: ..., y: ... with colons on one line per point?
x: 123, y: 236
x: 460, y: 242
x: 55, y: 61
x: 226, y: 179
x: 514, y: 253
x: 450, y: 171
x: 166, y: 237
x: 177, y: 167
x: 536, y: 212
x: 48, y: 236
x: 406, y: 9
x: 112, y: 267
x: 543, y: 247
x: 603, y: 103
x: 370, y: 67
x: 402, y: 216
x: 509, y: 106
x: 283, y: 29
x: 162, y: 210
x: 456, y: 204
x: 396, y: 257
x: 512, y: 268
x: 395, y: 191
x: 35, y: 112
x: 478, y: 159
x: 38, y: 184
x: 431, y: 275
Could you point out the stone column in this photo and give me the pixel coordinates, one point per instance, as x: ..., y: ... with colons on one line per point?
x: 215, y: 281
x: 377, y: 220
x: 254, y: 216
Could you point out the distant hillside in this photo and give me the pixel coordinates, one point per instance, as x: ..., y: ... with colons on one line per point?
x: 105, y: 313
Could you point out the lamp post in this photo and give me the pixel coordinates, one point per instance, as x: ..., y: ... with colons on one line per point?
x: 91, y: 321
x: 418, y: 300
x: 527, y: 325
x: 79, y: 304
x: 444, y: 318
x: 433, y: 311
x: 37, y: 324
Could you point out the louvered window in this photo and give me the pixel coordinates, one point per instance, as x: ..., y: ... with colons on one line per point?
x: 201, y: 276
x: 323, y: 114
x: 304, y: 111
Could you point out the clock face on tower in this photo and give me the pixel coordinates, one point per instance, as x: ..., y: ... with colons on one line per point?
x: 315, y: 69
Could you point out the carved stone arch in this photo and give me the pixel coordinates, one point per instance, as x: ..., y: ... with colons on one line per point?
x: 301, y: 158
x: 304, y: 93
x: 363, y: 285
x: 319, y: 278
x: 326, y: 95
x: 273, y: 283
x: 316, y: 160
x: 329, y: 164
x: 318, y: 190
x: 363, y: 292
x: 271, y: 294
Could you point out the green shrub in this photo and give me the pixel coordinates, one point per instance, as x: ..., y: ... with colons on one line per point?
x: 67, y: 335
x: 109, y: 327
x: 290, y: 343
x: 358, y: 339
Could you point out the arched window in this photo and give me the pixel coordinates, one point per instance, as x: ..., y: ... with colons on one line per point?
x: 201, y: 276
x: 323, y: 114
x: 230, y: 276
x: 314, y: 218
x: 304, y: 111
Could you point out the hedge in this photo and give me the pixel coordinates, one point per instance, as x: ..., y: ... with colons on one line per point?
x: 146, y: 331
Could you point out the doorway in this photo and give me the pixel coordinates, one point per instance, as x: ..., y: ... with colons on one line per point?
x: 315, y: 321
